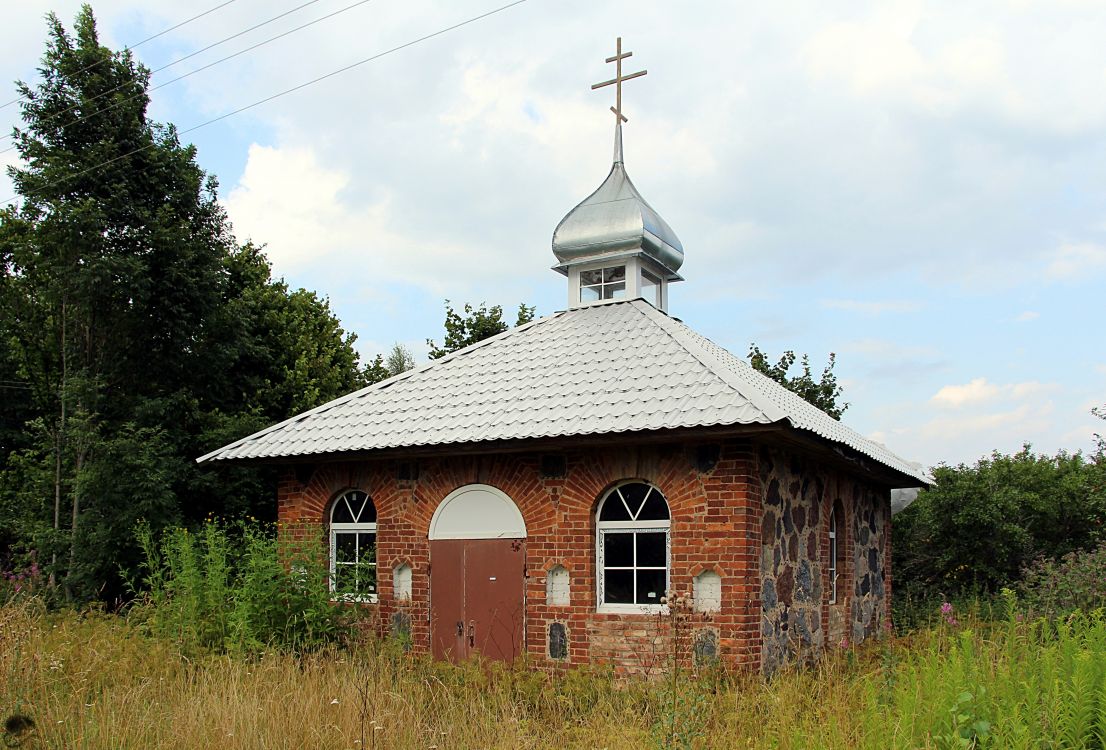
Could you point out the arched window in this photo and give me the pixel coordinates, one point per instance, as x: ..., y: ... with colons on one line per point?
x: 353, y: 547
x: 836, y: 549
x: 632, y: 530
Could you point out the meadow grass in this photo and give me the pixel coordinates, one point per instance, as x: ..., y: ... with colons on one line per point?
x: 93, y: 680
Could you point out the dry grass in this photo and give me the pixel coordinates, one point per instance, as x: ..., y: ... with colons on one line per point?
x: 97, y: 681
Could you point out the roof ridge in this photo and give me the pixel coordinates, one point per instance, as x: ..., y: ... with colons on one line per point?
x: 379, y: 385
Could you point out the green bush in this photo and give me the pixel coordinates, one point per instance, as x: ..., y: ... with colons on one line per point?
x: 1077, y: 581
x: 230, y: 588
x: 976, y: 530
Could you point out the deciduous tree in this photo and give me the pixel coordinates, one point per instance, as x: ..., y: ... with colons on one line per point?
x: 136, y: 334
x: 824, y: 393
x: 477, y: 324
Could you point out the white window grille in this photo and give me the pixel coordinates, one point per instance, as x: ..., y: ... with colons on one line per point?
x: 833, y: 556
x: 353, y: 547
x: 633, y: 548
x: 603, y: 283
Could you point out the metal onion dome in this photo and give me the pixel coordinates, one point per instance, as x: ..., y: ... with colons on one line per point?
x: 615, y: 219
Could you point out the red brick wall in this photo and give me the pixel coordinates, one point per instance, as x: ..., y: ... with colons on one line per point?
x: 716, y: 524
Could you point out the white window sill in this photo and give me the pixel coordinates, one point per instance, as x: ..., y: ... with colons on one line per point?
x: 354, y: 599
x: 632, y: 609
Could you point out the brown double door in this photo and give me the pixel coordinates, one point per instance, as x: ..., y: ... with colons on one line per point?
x: 477, y: 590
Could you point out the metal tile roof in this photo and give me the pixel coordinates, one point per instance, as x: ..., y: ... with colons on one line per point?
x: 611, y: 368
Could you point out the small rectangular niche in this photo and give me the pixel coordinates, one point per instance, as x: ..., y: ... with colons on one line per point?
x: 708, y: 592
x: 558, y: 641
x: 401, y: 582
x: 557, y: 592
x: 553, y: 466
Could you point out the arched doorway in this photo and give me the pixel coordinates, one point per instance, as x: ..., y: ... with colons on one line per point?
x: 477, y: 575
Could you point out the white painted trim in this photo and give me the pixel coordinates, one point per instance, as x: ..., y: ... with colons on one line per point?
x: 631, y: 609
x: 654, y: 526
x: 484, y: 518
x: 833, y: 572
x: 633, y: 280
x: 362, y: 527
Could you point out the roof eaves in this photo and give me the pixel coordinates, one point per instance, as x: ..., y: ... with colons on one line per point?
x: 219, y: 453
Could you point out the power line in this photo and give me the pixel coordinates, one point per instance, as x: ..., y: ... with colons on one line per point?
x: 277, y: 95
x: 197, y: 70
x: 180, y: 60
x: 139, y: 44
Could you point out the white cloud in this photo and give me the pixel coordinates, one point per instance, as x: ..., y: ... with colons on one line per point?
x: 976, y: 391
x: 1072, y: 261
x: 1026, y: 316
x: 1025, y: 420
x: 979, y: 391
x: 872, y: 307
x: 304, y: 212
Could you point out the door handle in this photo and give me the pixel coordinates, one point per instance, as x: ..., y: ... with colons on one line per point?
x: 472, y: 634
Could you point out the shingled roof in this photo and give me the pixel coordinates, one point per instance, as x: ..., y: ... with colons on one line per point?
x: 614, y: 368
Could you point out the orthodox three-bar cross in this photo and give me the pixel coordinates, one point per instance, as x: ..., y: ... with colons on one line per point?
x: 619, y: 56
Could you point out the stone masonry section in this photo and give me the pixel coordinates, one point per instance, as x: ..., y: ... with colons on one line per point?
x: 796, y: 613
x: 755, y: 516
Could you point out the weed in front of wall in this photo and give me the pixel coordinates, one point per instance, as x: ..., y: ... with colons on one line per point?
x: 684, y: 706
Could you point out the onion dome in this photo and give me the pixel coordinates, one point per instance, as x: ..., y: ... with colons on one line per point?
x: 616, y: 220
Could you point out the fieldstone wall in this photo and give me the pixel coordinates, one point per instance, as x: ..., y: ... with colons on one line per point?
x: 790, y: 568
x: 797, y: 620
x: 870, y: 525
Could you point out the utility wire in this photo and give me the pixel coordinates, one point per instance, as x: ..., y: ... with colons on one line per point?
x: 198, y: 70
x: 182, y: 59
x: 138, y: 44
x: 279, y: 94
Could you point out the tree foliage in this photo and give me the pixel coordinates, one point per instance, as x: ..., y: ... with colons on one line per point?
x: 477, y: 324
x: 135, y: 334
x: 400, y: 359
x: 824, y: 393
x: 981, y: 525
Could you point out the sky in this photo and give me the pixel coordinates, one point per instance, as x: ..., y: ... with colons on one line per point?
x: 917, y: 187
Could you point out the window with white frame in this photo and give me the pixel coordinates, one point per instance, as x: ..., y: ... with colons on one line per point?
x: 633, y: 547
x: 603, y: 283
x: 651, y: 288
x: 353, y: 547
x: 833, y: 556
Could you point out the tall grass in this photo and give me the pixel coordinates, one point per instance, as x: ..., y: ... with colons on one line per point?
x: 229, y: 588
x: 91, y: 680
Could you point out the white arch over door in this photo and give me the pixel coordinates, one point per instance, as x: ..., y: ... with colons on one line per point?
x: 477, y: 511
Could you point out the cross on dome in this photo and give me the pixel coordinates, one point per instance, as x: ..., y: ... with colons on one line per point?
x: 619, y: 56
x: 613, y: 245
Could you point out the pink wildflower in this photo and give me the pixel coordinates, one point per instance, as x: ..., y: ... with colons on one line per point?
x: 946, y: 609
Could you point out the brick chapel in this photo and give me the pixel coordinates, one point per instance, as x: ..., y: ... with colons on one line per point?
x: 543, y: 491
